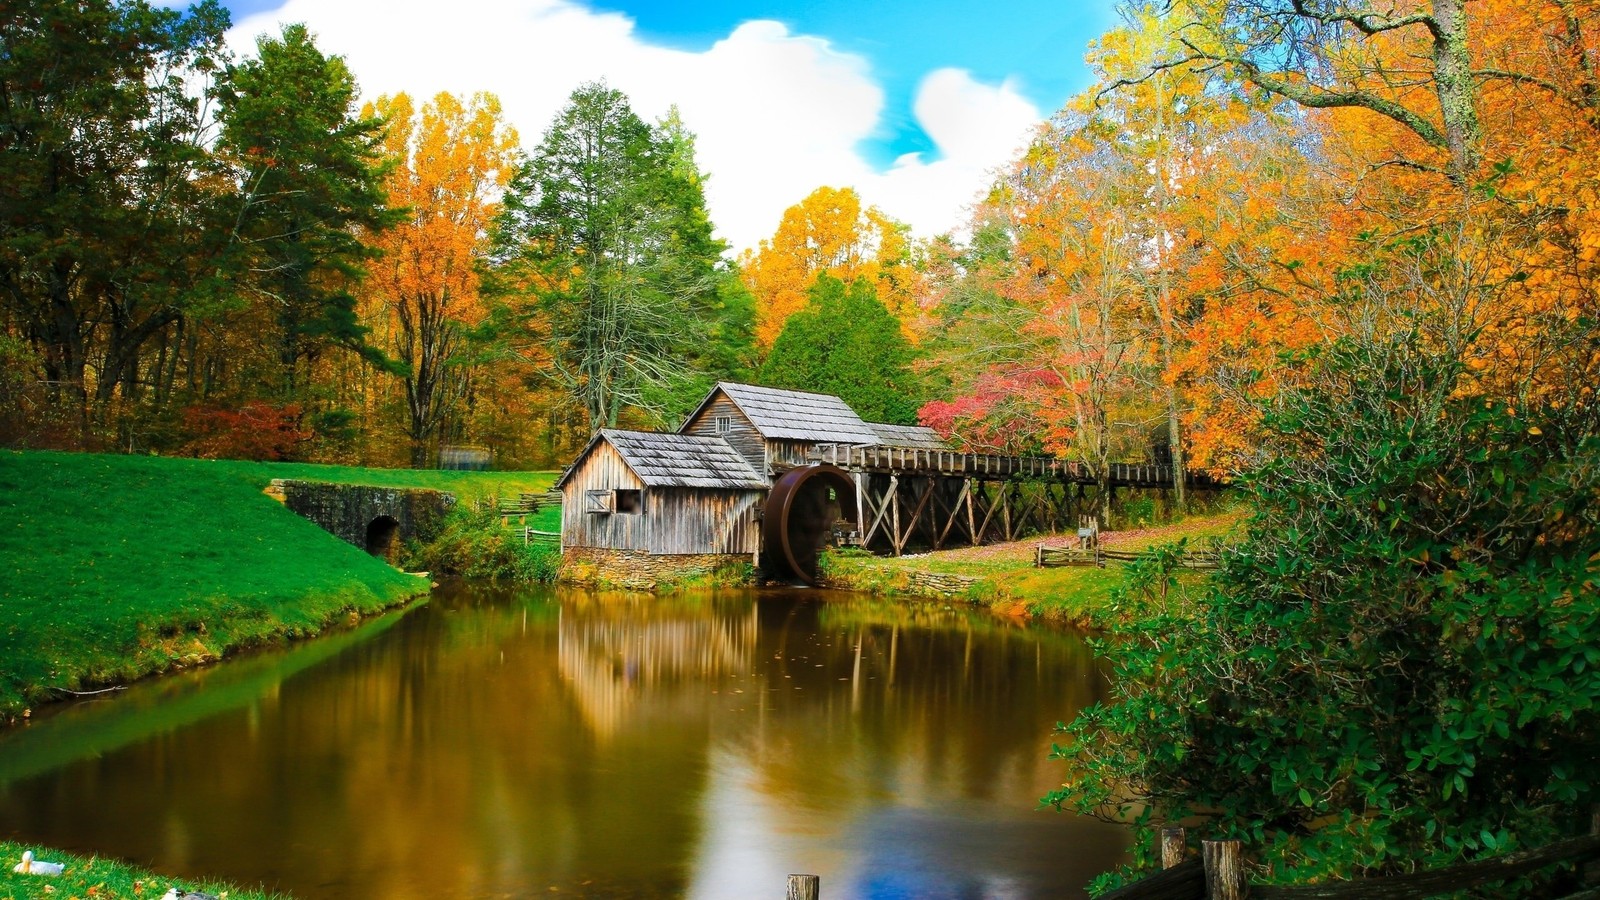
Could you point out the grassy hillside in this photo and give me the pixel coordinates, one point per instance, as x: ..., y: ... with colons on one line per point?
x: 113, y: 567
x: 1008, y: 579
x: 101, y: 878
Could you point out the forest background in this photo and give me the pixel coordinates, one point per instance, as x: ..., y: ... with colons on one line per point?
x: 1344, y: 252
x: 226, y: 256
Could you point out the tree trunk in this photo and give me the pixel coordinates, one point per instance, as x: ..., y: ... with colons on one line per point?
x: 1457, y: 90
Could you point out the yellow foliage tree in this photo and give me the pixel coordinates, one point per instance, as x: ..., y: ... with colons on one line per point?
x: 451, y: 161
x: 830, y: 232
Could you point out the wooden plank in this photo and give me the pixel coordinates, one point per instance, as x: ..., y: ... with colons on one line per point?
x: 1184, y: 881
x: 894, y: 502
x: 883, y: 510
x: 911, y: 524
x: 955, y: 512
x: 972, y: 534
x: 990, y: 509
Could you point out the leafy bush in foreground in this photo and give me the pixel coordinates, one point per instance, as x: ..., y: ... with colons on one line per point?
x: 1398, y: 668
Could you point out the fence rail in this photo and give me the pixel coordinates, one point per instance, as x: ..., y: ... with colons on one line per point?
x: 535, y: 536
x: 1218, y: 874
x: 1046, y: 557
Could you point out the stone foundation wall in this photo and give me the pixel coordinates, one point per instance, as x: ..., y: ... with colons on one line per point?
x: 638, y: 571
x: 345, y: 510
x: 940, y: 587
x: 854, y: 575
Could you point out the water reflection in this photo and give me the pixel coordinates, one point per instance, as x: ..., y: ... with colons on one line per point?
x: 494, y: 744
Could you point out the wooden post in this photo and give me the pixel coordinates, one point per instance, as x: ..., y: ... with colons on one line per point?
x: 1172, y: 846
x: 972, y: 528
x: 1591, y: 871
x: 1224, y: 864
x: 1038, y: 556
x: 894, y: 518
x: 803, y: 887
x: 860, y: 479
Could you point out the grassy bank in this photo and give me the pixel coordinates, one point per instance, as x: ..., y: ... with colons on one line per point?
x: 115, y: 567
x: 102, y: 879
x: 1002, y: 576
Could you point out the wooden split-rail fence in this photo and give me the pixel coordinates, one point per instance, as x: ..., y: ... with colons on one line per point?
x: 1047, y: 557
x: 1219, y: 873
x: 535, y: 536
x: 527, y: 503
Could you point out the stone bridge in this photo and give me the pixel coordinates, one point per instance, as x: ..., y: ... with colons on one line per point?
x: 376, y: 519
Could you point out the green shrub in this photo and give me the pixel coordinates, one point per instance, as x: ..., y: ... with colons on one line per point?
x: 1397, y: 668
x: 474, y: 543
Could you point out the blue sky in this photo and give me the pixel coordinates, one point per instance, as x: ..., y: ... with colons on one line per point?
x: 1039, y: 44
x: 913, y: 102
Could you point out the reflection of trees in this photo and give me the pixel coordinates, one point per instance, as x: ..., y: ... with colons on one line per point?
x: 158, y: 706
x: 500, y: 744
x: 935, y: 702
x: 613, y: 654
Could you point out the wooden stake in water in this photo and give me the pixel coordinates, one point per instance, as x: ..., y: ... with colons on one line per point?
x: 803, y: 887
x: 1224, y: 862
x: 1172, y: 846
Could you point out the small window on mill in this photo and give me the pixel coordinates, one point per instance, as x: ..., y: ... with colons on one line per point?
x: 630, y: 501
x: 724, y: 424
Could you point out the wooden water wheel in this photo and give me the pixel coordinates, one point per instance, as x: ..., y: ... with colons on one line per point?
x: 802, y: 511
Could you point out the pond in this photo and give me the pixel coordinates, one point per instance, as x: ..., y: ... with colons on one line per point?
x: 496, y: 743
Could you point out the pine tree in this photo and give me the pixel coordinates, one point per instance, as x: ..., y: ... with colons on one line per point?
x: 846, y: 343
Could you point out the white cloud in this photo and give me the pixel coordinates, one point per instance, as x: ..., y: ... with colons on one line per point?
x: 777, y: 114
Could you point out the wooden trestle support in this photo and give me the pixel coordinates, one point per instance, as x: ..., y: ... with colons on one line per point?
x: 941, y: 499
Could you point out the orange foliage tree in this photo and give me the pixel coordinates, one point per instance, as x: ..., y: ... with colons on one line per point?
x: 1463, y: 139
x: 830, y: 232
x: 451, y: 161
x: 1138, y: 229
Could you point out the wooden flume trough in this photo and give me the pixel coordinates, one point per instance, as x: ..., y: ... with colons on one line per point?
x: 942, y: 498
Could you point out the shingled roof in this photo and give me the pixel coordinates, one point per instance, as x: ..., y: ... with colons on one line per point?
x: 910, y: 437
x: 796, y: 415
x: 676, y: 460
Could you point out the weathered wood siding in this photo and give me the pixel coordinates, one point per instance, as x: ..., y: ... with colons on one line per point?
x: 787, y: 454
x: 699, y: 520
x: 602, y: 470
x: 742, y: 435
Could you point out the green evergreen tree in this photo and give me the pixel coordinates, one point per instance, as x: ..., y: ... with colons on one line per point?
x: 104, y: 181
x: 310, y: 178
x: 605, y: 257
x: 845, y: 342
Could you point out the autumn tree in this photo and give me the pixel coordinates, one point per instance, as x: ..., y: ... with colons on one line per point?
x: 605, y: 253
x: 845, y: 342
x: 1224, y: 171
x: 1053, y: 324
x: 829, y: 232
x: 451, y: 160
x: 1436, y: 116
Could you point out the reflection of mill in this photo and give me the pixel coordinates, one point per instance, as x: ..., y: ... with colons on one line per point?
x: 610, y: 656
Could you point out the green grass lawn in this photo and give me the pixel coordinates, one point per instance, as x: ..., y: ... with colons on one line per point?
x: 467, y: 486
x: 1009, y: 581
x: 116, y: 567
x: 102, y: 879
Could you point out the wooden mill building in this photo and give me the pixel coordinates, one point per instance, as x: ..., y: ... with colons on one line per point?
x: 661, y: 494
x: 772, y: 476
